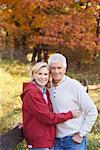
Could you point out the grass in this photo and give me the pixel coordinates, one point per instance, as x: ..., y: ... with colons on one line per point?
x: 12, y: 75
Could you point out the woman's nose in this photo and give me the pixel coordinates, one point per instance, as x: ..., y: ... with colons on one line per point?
x: 42, y: 76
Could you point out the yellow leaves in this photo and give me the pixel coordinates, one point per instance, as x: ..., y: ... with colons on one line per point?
x: 40, y: 20
x: 25, y: 28
x: 10, y: 10
x: 52, y: 21
x: 98, y: 46
x: 98, y: 7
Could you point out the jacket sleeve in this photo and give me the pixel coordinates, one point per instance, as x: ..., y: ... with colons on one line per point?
x: 41, y: 111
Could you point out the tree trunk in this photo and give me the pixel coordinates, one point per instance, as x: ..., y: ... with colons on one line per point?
x: 19, y: 52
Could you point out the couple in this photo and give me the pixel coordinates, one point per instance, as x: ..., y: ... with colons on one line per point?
x: 65, y: 111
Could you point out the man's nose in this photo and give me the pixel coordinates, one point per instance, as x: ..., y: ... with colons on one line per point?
x: 56, y: 70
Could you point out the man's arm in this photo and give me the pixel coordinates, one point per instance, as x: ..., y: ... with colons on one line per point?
x: 90, y: 113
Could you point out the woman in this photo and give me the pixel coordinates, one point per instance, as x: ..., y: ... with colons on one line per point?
x: 38, y: 117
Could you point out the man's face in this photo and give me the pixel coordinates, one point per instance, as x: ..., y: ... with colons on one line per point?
x: 57, y: 71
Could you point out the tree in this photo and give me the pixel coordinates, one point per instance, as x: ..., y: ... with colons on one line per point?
x: 66, y: 23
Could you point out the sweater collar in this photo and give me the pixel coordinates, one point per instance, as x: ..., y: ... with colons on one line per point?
x: 60, y: 82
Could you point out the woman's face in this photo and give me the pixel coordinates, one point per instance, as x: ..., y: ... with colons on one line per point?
x: 41, y: 77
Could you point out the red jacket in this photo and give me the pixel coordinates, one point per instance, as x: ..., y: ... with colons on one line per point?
x: 38, y: 117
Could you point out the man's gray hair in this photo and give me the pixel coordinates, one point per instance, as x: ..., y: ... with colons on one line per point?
x: 56, y: 58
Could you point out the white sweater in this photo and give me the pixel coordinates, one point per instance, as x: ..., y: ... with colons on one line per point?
x: 71, y: 95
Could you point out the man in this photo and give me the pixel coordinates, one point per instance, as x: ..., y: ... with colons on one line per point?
x: 66, y: 94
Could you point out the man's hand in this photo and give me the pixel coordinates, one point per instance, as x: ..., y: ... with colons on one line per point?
x: 77, y: 138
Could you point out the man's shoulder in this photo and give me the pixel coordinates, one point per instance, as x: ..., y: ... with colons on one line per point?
x: 72, y: 80
x: 73, y: 83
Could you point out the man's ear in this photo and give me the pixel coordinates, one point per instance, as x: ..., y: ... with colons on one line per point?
x: 65, y: 70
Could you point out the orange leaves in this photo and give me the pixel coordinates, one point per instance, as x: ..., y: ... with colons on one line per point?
x: 53, y: 21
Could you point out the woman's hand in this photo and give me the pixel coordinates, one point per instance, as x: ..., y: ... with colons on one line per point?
x: 75, y: 113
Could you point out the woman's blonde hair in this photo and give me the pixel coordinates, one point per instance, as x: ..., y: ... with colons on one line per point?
x: 37, y: 67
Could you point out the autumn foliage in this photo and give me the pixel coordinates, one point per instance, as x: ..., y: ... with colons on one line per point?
x: 75, y: 26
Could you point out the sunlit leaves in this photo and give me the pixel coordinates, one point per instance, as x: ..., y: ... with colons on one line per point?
x: 53, y: 22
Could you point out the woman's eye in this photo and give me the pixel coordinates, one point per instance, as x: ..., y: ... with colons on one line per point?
x: 39, y: 73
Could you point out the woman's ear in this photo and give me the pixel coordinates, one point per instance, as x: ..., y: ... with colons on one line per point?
x: 33, y: 76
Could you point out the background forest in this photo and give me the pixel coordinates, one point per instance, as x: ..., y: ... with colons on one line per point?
x: 30, y: 31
